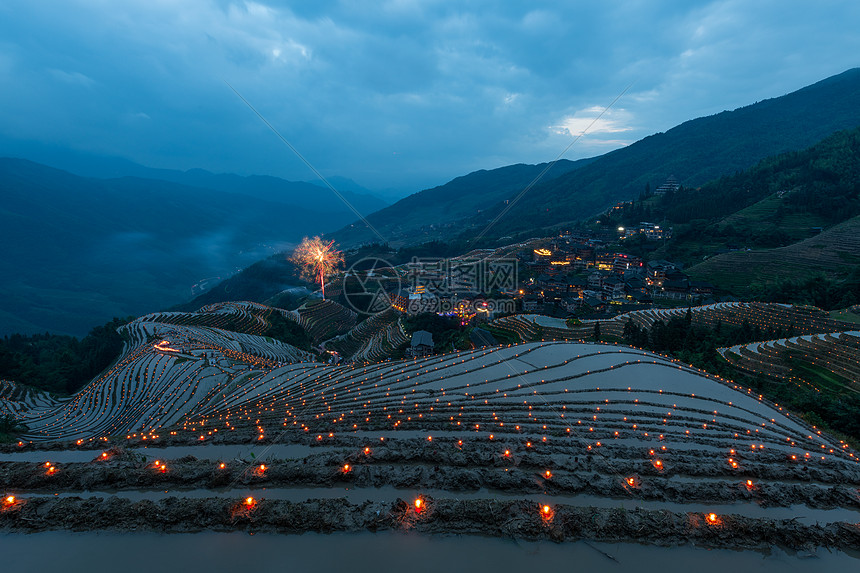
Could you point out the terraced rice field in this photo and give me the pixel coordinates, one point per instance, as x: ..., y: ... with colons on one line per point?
x: 324, y: 319
x: 788, y: 318
x: 832, y: 252
x: 837, y: 353
x: 16, y: 399
x: 165, y: 371
x: 374, y: 339
x: 543, y: 440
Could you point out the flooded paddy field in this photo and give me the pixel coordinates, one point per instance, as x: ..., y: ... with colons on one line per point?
x: 529, y: 445
x: 381, y: 552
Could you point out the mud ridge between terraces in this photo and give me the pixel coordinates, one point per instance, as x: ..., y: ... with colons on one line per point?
x: 415, y: 467
x: 507, y: 519
x: 609, y: 458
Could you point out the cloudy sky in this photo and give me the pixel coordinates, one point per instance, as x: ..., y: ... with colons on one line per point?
x: 395, y: 94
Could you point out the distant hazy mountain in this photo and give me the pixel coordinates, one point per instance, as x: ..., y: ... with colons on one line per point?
x: 694, y: 152
x: 345, y: 184
x: 299, y: 193
x: 268, y: 188
x: 78, y: 251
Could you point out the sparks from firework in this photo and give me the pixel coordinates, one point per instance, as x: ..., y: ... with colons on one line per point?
x: 317, y: 259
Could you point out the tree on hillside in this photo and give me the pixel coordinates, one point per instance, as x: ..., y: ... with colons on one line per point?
x: 57, y: 363
x: 10, y: 427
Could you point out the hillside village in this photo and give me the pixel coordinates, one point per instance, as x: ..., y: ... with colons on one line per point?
x: 573, y: 274
x: 578, y: 274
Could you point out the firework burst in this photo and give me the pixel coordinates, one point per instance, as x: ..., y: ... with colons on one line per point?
x: 317, y: 259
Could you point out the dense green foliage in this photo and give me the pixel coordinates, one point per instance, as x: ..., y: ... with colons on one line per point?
x: 448, y: 333
x: 288, y: 300
x: 834, y: 407
x: 779, y: 202
x: 834, y: 411
x: 287, y: 331
x: 10, y: 428
x: 502, y: 336
x: 60, y: 364
x: 818, y: 186
x: 817, y: 290
x: 823, y: 179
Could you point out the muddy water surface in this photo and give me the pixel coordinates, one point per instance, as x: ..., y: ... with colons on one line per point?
x: 367, y: 552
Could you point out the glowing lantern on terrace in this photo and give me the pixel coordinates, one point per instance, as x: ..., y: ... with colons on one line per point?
x: 10, y: 500
x: 419, y: 504
x: 250, y: 501
x: 366, y: 451
x: 546, y: 513
x: 658, y: 464
x: 712, y: 518
x: 346, y: 468
x: 547, y: 474
x: 222, y: 465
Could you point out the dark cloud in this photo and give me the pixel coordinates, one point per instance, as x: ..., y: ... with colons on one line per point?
x: 401, y: 93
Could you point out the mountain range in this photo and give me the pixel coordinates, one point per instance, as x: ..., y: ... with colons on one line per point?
x: 79, y: 250
x: 694, y: 152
